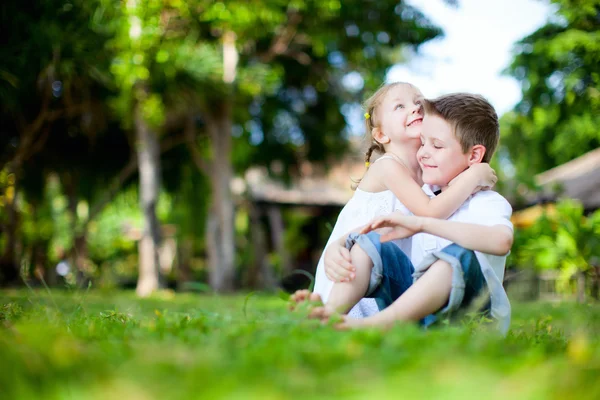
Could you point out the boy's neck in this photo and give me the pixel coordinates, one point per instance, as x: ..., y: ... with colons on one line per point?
x: 442, y: 188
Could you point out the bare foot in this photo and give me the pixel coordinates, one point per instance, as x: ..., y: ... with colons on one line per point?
x: 302, y: 296
x: 320, y: 312
x: 348, y: 323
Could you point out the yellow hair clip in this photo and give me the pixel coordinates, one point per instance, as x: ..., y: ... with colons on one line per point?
x: 367, y: 115
x: 367, y: 164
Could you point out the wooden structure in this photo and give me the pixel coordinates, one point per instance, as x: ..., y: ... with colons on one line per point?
x: 319, y: 193
x: 577, y: 179
x: 322, y: 192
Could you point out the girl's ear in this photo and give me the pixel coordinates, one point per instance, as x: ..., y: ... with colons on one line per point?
x: 379, y: 136
x: 477, y: 153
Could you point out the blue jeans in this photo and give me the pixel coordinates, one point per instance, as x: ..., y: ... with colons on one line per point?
x: 393, y: 273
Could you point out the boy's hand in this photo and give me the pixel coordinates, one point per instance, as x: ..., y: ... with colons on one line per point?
x: 338, y: 264
x: 403, y: 226
x: 483, y: 175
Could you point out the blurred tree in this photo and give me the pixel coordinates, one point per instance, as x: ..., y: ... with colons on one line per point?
x: 267, y: 73
x: 568, y: 241
x: 159, y: 66
x: 242, y: 83
x: 289, y: 70
x: 558, y: 118
x: 50, y: 70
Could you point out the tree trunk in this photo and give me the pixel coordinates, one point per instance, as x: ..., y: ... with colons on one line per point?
x: 260, y: 274
x: 149, y: 172
x: 220, y: 233
x: 39, y: 261
x: 277, y: 238
x: 80, y: 258
x: 595, y: 290
x: 184, y: 258
x: 78, y: 253
x: 580, y: 287
x: 9, y: 265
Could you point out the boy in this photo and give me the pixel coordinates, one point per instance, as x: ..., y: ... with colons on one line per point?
x: 454, y: 258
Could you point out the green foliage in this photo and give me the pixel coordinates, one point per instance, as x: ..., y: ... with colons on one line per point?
x: 253, y: 347
x: 84, y: 65
x: 108, y: 236
x: 303, y: 120
x: 557, y: 67
x: 564, y: 240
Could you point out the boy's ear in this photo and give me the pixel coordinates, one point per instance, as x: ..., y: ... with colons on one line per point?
x: 379, y: 136
x: 476, y: 154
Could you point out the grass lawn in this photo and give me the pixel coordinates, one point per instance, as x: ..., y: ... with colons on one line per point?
x: 113, y: 345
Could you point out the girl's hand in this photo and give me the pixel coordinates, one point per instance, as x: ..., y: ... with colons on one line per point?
x: 403, y: 226
x: 338, y: 264
x: 483, y: 175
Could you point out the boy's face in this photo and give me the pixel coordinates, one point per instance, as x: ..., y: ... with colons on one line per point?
x: 440, y: 156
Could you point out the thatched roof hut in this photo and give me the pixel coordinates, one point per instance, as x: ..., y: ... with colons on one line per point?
x: 577, y: 179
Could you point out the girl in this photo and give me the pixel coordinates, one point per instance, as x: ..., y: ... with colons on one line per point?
x: 393, y: 182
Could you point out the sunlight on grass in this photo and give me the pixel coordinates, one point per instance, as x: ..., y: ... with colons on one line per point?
x: 186, y: 346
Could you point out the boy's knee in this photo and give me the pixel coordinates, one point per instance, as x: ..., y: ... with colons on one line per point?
x: 442, y: 269
x: 441, y: 264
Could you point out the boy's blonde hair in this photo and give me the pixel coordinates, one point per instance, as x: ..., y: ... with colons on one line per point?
x: 370, y: 106
x: 472, y: 118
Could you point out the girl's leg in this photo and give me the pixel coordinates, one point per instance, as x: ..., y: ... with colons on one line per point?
x: 383, y: 272
x: 345, y: 295
x: 427, y: 295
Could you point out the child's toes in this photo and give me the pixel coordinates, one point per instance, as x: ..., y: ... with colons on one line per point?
x: 300, y: 295
x: 316, y: 297
x: 318, y: 313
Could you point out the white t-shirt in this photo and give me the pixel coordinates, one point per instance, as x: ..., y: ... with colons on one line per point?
x: 483, y: 208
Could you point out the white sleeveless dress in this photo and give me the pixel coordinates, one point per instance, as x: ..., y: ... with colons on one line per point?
x: 362, y: 208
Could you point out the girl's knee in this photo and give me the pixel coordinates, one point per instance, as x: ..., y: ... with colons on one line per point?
x: 360, y: 258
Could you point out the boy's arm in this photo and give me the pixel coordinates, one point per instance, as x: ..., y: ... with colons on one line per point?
x: 496, y: 239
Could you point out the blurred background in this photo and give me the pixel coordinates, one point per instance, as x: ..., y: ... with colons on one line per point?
x: 209, y: 145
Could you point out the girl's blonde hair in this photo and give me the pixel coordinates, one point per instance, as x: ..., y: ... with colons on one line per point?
x: 370, y: 106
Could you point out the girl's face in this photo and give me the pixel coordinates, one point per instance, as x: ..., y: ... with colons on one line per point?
x: 401, y: 114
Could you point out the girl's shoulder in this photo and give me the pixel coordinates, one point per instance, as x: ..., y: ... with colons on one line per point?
x: 388, y: 166
x: 389, y: 163
x: 385, y: 167
x: 362, y: 193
